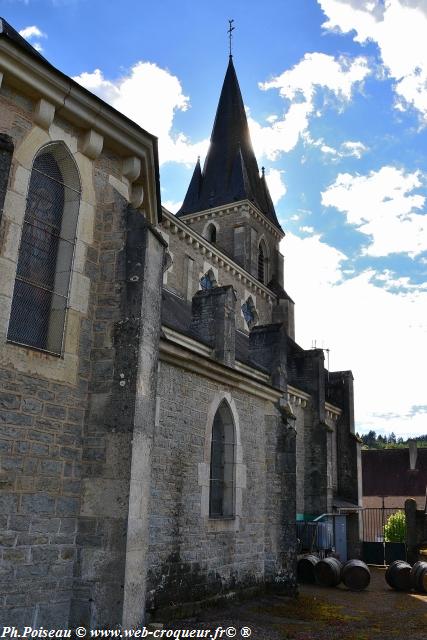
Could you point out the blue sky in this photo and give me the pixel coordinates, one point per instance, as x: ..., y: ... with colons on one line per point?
x: 336, y: 94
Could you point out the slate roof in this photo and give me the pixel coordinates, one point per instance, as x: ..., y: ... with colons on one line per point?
x: 176, y: 314
x: 6, y: 30
x: 386, y: 472
x: 230, y: 172
x: 278, y: 290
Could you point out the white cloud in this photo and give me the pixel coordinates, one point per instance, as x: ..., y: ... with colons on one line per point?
x: 306, y: 229
x: 381, y: 205
x: 282, y: 135
x: 171, y: 205
x: 29, y: 33
x: 363, y: 325
x: 354, y: 149
x: 317, y: 75
x: 399, y: 29
x: 276, y: 186
x: 348, y: 149
x: 150, y: 96
x: 32, y: 32
x: 392, y: 283
x: 319, y: 70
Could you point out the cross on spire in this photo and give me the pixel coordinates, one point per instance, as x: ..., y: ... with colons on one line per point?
x: 230, y: 33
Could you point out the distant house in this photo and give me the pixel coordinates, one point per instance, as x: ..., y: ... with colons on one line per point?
x: 390, y: 476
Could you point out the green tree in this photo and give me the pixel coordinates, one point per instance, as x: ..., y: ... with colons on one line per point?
x: 369, y: 439
x: 395, y: 527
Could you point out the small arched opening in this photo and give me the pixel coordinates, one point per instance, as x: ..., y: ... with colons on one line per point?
x: 222, y: 464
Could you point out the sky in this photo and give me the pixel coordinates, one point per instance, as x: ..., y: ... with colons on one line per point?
x: 336, y: 97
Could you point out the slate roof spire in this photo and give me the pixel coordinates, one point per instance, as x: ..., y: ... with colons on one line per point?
x: 230, y: 171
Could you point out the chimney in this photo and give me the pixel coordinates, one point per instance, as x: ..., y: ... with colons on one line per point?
x: 412, y: 454
x: 268, y: 348
x: 213, y: 321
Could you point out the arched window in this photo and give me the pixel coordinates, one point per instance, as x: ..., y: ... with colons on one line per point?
x: 40, y: 297
x: 262, y: 261
x: 222, y: 468
x: 211, y: 233
x: 250, y: 313
x: 208, y: 281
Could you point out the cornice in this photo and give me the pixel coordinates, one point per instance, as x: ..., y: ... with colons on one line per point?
x: 298, y: 397
x: 178, y: 226
x: 219, y: 212
x: 332, y: 412
x: 39, y: 80
x: 172, y: 352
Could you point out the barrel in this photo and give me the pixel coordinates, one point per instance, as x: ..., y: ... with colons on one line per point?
x: 305, y: 568
x: 328, y: 572
x: 355, y: 575
x: 419, y: 576
x: 398, y: 575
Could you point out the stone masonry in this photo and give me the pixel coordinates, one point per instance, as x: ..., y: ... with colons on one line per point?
x: 107, y: 450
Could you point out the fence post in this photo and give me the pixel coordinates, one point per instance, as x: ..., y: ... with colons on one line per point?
x: 411, y: 530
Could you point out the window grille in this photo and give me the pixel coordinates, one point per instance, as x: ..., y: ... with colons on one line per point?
x: 40, y: 296
x: 222, y: 469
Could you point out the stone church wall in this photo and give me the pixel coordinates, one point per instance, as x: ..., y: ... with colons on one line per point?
x: 41, y: 403
x: 239, y: 234
x: 65, y: 468
x: 189, y: 265
x: 192, y: 556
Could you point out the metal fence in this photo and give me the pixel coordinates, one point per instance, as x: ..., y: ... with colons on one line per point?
x: 373, y: 522
x: 315, y: 536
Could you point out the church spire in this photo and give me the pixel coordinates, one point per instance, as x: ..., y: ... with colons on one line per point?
x: 230, y: 171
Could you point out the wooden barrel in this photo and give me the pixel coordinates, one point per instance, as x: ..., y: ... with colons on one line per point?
x: 419, y: 576
x: 398, y: 575
x: 305, y: 569
x: 328, y: 572
x: 355, y: 575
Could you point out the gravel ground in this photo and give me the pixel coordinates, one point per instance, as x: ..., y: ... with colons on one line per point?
x: 323, y: 614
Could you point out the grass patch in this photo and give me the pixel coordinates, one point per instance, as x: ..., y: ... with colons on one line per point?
x: 307, y: 609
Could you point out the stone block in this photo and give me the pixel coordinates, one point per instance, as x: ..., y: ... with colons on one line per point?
x: 45, y: 525
x: 10, y: 401
x: 19, y: 523
x: 53, y: 616
x: 8, y: 503
x: 25, y: 152
x: 68, y: 525
x: 104, y: 497
x: 55, y: 411
x: 37, y: 503
x: 13, y: 418
x: 51, y: 467
x: 67, y: 506
x: 44, y: 554
x: 31, y: 405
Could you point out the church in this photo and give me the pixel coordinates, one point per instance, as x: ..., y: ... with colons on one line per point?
x: 161, y: 432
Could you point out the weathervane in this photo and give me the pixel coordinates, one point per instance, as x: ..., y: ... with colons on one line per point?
x: 230, y: 32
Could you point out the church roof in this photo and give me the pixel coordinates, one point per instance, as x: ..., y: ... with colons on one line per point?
x: 8, y: 33
x: 6, y: 30
x: 230, y: 172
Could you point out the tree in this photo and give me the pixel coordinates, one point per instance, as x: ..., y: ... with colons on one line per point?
x: 395, y: 527
x: 370, y: 438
